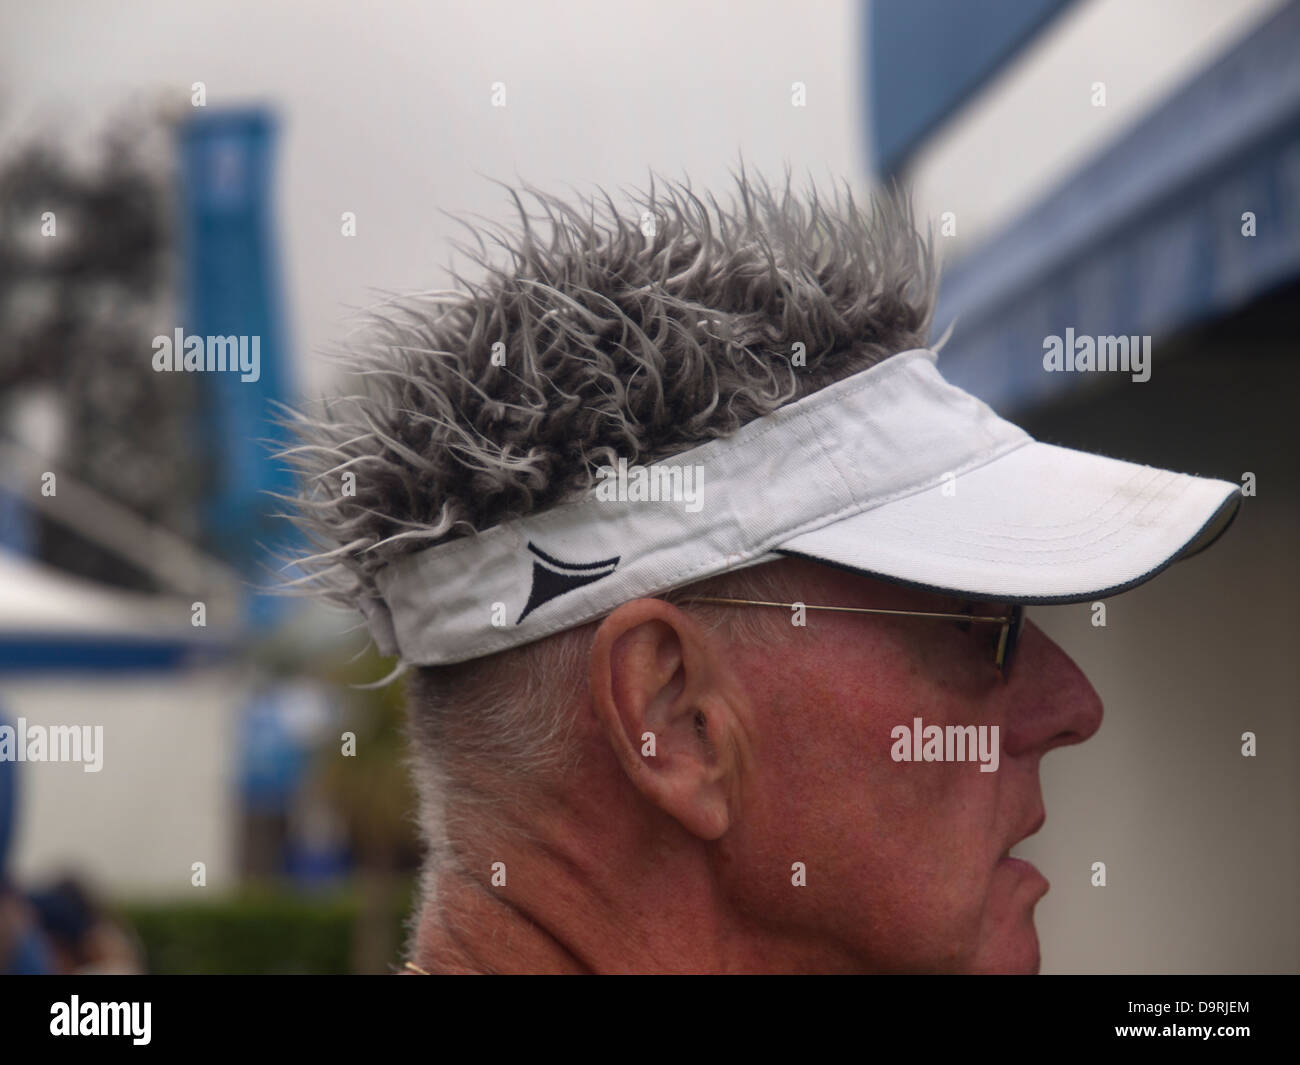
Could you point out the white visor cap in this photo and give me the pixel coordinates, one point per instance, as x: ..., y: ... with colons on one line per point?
x: 891, y: 473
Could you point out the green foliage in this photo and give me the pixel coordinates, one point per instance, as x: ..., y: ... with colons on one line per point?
x: 372, y: 790
x: 258, y: 931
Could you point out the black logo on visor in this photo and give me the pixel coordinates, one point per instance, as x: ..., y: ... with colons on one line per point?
x: 552, y: 578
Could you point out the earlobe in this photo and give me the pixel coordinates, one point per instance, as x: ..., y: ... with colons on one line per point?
x: 658, y: 688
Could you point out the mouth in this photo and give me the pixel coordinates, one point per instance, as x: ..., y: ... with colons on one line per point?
x: 1014, y: 863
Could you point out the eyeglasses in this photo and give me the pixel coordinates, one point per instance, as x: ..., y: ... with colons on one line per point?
x: 1003, y: 652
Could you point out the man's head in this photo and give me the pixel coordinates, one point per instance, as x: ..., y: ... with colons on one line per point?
x: 771, y: 746
x: 616, y: 775
x: 777, y: 747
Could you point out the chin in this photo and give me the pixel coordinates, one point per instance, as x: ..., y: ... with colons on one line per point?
x: 1009, y: 941
x: 1013, y: 953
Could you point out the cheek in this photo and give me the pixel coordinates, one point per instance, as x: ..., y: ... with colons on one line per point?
x: 923, y: 871
x: 894, y: 851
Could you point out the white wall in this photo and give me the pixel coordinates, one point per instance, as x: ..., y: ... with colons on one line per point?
x: 165, y: 796
x: 1035, y: 122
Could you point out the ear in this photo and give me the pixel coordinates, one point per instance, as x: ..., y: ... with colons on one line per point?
x: 656, y: 671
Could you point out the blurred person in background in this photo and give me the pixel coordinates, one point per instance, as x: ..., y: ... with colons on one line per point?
x: 83, y: 938
x: 24, y: 950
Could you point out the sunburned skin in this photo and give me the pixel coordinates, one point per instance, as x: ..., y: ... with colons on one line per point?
x: 780, y: 835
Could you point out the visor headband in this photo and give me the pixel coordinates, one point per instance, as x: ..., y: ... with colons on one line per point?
x: 888, y: 432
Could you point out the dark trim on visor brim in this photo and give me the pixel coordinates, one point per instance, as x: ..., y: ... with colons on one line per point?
x: 1214, y: 527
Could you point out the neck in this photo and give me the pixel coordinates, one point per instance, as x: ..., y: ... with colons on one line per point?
x: 471, y: 927
x: 637, y: 899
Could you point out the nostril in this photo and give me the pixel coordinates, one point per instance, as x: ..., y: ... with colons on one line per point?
x: 1054, y: 704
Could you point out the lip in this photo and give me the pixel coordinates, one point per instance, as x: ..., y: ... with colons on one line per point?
x: 1033, y: 827
x: 1019, y: 865
x: 1024, y: 870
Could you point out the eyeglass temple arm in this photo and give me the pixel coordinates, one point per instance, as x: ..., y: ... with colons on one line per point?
x: 1001, y: 619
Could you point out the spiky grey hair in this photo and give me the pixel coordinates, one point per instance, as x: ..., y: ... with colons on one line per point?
x: 635, y: 333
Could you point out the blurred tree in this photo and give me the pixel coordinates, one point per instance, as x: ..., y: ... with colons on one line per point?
x: 373, y: 792
x: 87, y: 268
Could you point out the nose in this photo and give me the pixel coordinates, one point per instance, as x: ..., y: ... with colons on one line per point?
x: 1050, y: 701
